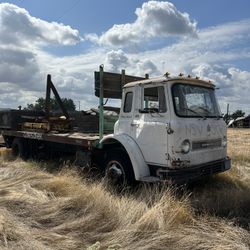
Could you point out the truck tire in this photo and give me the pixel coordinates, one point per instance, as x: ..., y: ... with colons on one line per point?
x: 18, y: 149
x: 118, y: 169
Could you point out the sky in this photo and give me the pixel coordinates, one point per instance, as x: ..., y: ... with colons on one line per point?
x: 69, y: 39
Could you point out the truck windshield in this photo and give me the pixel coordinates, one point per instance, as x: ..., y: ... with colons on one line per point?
x: 194, y: 101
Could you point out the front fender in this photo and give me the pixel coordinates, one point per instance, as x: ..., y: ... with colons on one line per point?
x: 139, y: 165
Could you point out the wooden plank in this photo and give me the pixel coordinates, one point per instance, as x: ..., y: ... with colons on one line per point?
x: 113, y: 83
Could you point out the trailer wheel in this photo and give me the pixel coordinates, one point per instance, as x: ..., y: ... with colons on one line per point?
x: 118, y: 169
x: 18, y: 148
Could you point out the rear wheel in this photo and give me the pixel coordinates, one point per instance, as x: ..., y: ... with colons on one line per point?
x: 118, y: 169
x: 18, y: 149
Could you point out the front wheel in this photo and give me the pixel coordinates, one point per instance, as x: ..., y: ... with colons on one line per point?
x: 118, y: 169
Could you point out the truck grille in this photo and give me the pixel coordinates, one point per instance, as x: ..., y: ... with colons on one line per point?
x: 191, y: 173
x: 197, y: 145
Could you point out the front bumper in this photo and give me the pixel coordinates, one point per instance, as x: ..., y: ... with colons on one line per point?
x: 187, y: 174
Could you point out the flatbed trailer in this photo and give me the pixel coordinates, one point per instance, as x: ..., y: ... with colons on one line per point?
x: 40, y: 145
x: 84, y: 140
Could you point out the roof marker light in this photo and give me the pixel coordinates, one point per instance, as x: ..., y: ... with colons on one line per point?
x: 181, y: 74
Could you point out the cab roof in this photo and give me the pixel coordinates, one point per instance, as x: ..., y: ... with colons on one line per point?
x: 167, y: 79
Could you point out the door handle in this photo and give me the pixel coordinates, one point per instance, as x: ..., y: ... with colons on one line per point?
x: 134, y: 124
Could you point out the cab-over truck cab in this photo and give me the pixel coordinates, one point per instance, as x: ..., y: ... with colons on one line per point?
x: 170, y: 128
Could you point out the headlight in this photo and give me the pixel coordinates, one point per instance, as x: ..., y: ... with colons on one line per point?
x: 185, y: 146
x: 224, y: 141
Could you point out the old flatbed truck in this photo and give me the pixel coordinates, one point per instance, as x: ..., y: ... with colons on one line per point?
x: 169, y: 129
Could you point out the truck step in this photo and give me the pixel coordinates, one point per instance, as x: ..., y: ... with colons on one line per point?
x: 150, y: 179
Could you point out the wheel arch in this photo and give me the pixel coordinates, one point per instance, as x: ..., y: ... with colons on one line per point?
x: 139, y: 165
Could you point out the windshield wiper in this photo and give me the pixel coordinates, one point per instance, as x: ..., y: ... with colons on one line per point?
x: 218, y: 117
x: 208, y: 111
x: 197, y: 113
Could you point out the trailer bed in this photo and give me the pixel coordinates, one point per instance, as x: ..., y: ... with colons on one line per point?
x: 85, y: 140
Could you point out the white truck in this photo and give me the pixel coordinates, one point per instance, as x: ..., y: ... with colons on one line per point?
x: 169, y: 129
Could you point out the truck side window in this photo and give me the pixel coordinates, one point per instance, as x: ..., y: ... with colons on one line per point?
x: 128, y: 102
x: 154, y: 100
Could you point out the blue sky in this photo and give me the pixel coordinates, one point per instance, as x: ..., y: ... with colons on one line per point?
x: 70, y: 39
x: 97, y: 16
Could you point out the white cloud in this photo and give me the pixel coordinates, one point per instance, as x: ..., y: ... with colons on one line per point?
x: 22, y: 68
x: 146, y: 66
x: 233, y: 84
x: 154, y: 19
x: 19, y: 27
x: 115, y: 60
x: 18, y: 66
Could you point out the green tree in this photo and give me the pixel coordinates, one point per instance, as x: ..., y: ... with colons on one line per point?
x: 227, y: 118
x: 237, y: 113
x: 40, y: 105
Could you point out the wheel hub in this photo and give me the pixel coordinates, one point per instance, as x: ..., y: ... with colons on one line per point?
x: 115, y: 173
x: 116, y: 170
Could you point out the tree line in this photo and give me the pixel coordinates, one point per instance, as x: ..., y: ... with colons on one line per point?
x: 39, y: 105
x: 234, y: 115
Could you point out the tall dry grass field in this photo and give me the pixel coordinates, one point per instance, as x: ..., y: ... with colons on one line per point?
x: 40, y: 210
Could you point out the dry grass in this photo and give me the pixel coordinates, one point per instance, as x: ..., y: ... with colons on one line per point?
x: 5, y: 153
x: 39, y: 210
x: 239, y: 145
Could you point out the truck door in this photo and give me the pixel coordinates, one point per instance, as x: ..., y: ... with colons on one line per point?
x: 150, y: 122
x: 126, y: 113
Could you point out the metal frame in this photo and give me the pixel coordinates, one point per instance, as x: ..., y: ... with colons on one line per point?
x: 50, y: 86
x: 101, y: 115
